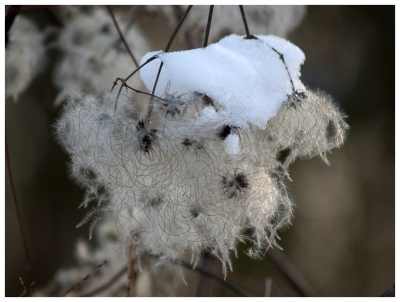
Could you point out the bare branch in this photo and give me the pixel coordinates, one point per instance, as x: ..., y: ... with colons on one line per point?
x: 199, y: 270
x: 143, y: 92
x: 282, y: 58
x: 171, y: 39
x: 203, y: 286
x: 248, y: 36
x: 27, y: 289
x: 151, y: 59
x: 295, y: 277
x: 15, y: 205
x: 123, y: 81
x: 129, y: 251
x: 113, y: 279
x: 84, y: 279
x: 137, y: 69
x: 107, y: 284
x: 121, y: 35
x: 212, y: 276
x: 208, y: 25
x: 188, y: 34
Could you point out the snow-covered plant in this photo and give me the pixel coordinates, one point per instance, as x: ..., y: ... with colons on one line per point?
x: 203, y: 167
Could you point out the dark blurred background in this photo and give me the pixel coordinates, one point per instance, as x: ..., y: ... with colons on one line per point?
x: 343, y: 235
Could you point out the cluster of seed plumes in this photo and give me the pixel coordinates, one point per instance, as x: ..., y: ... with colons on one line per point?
x: 181, y: 179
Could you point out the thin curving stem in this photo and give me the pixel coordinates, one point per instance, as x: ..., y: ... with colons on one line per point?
x: 121, y: 35
x: 191, y: 41
x: 212, y: 276
x: 204, y: 284
x: 248, y: 36
x: 210, y: 12
x: 87, y: 277
x: 129, y: 251
x: 199, y: 270
x: 123, y: 81
x: 107, y: 284
x: 171, y: 39
x: 296, y: 278
x: 15, y: 204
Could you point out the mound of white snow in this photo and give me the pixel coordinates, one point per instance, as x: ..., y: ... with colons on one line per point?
x: 247, y: 77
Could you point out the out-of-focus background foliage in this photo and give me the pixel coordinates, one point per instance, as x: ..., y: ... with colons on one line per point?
x: 343, y: 235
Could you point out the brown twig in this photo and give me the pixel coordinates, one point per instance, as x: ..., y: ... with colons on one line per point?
x: 143, y: 92
x: 210, y: 13
x: 27, y: 289
x: 121, y: 35
x: 199, y: 270
x: 84, y: 279
x: 107, y: 284
x: 171, y: 39
x: 204, y: 285
x: 123, y: 81
x: 113, y: 279
x: 248, y: 36
x: 129, y: 252
x: 15, y: 205
x: 148, y: 61
x: 191, y: 41
x: 137, y: 69
x: 212, y: 276
x: 294, y: 276
x: 134, y: 13
x: 282, y: 58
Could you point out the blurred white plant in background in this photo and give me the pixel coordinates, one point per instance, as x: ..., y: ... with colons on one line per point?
x: 24, y: 56
x: 94, y: 54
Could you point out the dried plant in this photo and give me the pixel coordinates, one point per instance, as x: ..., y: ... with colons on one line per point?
x: 197, y: 163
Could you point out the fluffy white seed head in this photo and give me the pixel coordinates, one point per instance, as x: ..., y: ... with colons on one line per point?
x: 175, y: 190
x: 198, y: 174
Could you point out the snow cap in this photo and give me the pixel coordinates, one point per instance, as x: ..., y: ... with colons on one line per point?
x: 247, y: 77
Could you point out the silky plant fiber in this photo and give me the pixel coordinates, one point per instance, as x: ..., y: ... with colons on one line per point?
x: 204, y: 166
